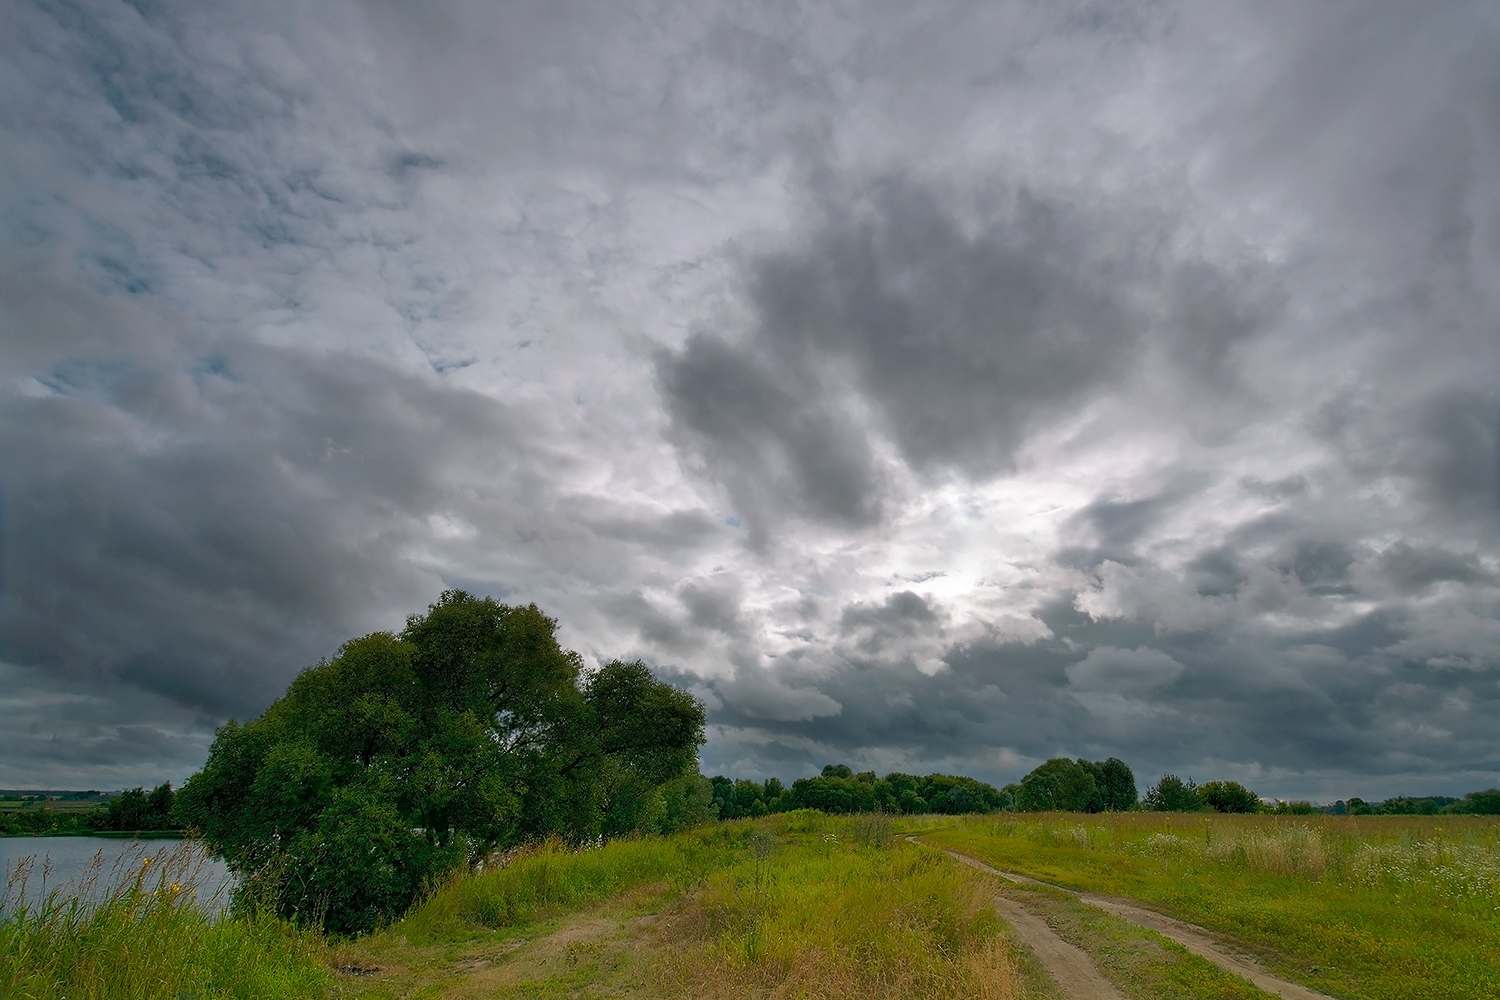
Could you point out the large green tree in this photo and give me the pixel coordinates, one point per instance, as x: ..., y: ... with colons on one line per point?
x: 406, y: 755
x: 1228, y: 797
x: 1059, y: 784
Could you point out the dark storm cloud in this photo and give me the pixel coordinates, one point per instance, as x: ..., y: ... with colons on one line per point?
x: 1342, y: 701
x: 769, y: 435
x: 1217, y: 572
x: 954, y: 339
x: 203, y: 532
x: 1413, y: 570
x: 1456, y: 452
x: 959, y: 332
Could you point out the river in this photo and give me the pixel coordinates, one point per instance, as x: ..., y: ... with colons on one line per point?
x: 91, y: 866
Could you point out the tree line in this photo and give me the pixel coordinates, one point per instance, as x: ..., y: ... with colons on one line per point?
x: 134, y: 810
x: 839, y: 789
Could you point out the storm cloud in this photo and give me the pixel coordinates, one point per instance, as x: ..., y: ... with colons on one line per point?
x: 924, y: 387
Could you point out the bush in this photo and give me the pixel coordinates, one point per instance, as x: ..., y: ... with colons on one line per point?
x: 1228, y: 797
x: 1172, y: 794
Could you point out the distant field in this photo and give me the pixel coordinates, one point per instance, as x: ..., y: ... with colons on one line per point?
x: 54, y: 805
x: 1378, y: 907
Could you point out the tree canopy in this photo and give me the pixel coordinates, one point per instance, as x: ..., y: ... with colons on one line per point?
x: 1172, y: 794
x: 839, y: 789
x: 405, y: 755
x: 1068, y: 785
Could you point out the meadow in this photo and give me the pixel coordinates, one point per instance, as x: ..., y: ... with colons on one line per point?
x: 806, y: 905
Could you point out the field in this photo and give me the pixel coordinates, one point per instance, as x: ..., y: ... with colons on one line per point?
x: 806, y: 905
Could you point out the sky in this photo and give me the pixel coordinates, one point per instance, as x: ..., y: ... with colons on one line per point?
x: 925, y: 386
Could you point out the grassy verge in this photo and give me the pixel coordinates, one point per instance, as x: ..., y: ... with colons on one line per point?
x: 141, y: 937
x: 795, y: 905
x: 1384, y: 908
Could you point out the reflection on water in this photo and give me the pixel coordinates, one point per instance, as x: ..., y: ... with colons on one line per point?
x: 90, y: 867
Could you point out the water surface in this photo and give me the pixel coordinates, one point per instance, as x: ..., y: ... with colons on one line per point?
x: 90, y: 866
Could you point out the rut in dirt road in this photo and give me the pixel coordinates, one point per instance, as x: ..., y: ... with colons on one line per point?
x: 1070, y: 968
x: 1198, y: 940
x: 1074, y: 973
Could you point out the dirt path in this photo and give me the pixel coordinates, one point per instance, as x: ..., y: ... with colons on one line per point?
x: 1198, y: 940
x: 1074, y: 973
x: 1070, y: 968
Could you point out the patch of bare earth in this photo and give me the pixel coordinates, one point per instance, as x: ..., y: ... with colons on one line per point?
x: 599, y: 952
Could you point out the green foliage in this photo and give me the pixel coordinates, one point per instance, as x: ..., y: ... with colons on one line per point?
x: 1077, y: 786
x: 135, y: 810
x: 143, y: 936
x: 839, y: 790
x: 1114, y: 785
x: 42, y: 821
x: 1228, y: 797
x: 1059, y: 784
x: 1485, y: 803
x: 1172, y: 794
x: 381, y: 770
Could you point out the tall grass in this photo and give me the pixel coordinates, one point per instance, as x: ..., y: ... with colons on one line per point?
x: 533, y: 883
x: 138, y: 932
x: 836, y: 909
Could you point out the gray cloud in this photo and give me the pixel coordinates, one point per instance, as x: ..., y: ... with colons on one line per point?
x: 1413, y: 570
x: 176, y: 527
x: 772, y: 440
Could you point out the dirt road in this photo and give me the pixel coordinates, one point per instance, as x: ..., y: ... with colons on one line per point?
x: 1074, y: 973
x: 1198, y: 940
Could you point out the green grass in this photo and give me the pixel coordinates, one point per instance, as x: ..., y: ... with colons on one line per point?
x: 543, y: 881
x: 1384, y: 908
x: 142, y: 938
x: 797, y: 904
x: 832, y: 907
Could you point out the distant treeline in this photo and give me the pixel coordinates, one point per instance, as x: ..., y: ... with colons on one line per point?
x: 1061, y: 784
x: 1172, y: 794
x: 134, y: 810
x: 1485, y: 803
x: 839, y: 789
